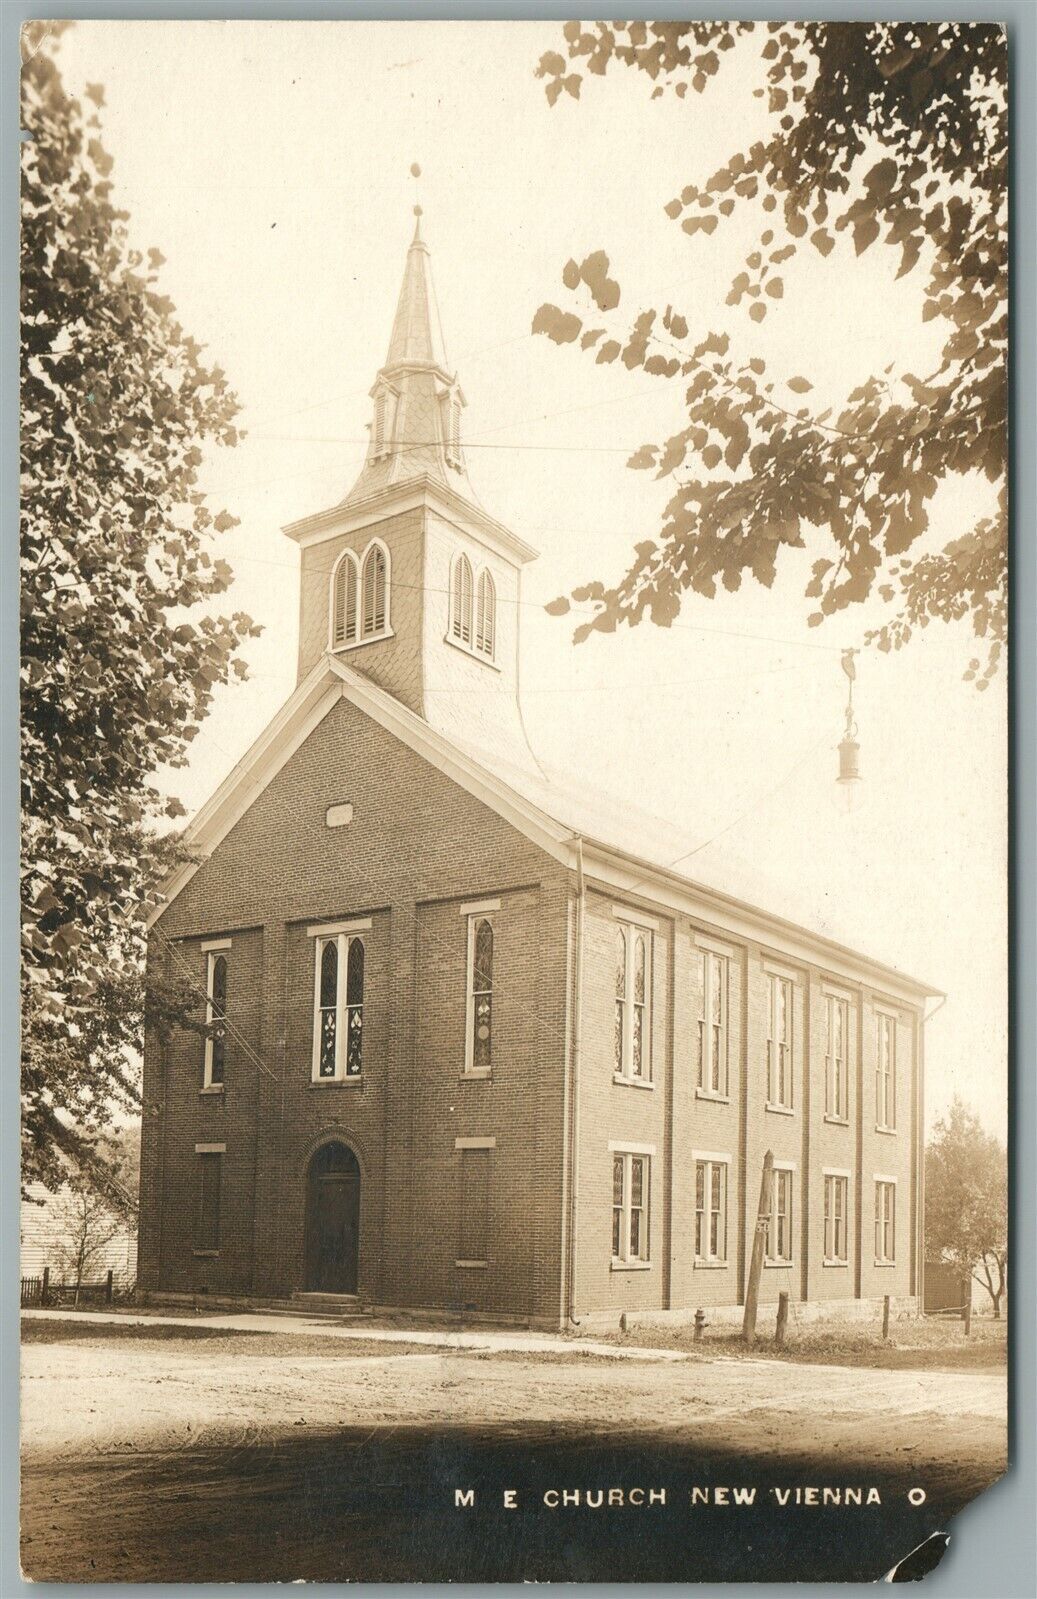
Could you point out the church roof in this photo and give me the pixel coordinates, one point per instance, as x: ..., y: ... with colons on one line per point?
x: 621, y: 849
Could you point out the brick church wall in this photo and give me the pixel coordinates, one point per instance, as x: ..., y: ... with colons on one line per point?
x: 416, y: 848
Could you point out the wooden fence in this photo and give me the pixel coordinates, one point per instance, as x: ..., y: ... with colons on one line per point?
x: 41, y: 1291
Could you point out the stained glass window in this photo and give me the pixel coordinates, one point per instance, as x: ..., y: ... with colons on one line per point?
x: 354, y: 1007
x: 328, y: 1009
x: 218, y: 1012
x: 482, y: 996
x: 621, y: 990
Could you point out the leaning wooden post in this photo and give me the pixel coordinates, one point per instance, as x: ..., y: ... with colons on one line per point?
x: 783, y: 1317
x: 45, y: 1286
x: 108, y: 1287
x: 752, y: 1291
x: 885, y: 1317
x: 968, y: 1310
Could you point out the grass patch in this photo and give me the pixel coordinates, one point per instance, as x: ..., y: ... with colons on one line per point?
x: 915, y: 1343
x: 229, y: 1341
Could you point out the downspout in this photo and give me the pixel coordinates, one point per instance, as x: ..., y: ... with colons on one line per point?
x: 574, y: 1124
x: 920, y: 1273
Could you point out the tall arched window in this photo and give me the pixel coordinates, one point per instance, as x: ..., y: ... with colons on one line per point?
x: 327, y: 1009
x: 486, y: 615
x: 479, y: 998
x: 344, y: 581
x: 338, y: 1022
x: 375, y: 591
x: 355, y: 1007
x: 461, y: 601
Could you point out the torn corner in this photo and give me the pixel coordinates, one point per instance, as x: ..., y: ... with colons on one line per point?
x: 923, y: 1559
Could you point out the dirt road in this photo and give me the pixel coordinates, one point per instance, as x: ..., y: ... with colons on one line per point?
x: 261, y: 1457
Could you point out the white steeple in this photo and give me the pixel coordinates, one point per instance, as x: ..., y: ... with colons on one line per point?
x: 416, y: 426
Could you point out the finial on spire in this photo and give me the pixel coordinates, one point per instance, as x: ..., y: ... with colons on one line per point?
x: 415, y: 172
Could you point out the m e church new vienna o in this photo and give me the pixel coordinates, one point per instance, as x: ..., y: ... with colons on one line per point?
x: 473, y: 1045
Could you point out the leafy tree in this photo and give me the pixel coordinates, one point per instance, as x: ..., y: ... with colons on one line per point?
x: 120, y: 658
x: 966, y: 1201
x: 885, y: 132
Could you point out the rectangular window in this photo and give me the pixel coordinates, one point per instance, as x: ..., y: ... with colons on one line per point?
x: 478, y: 1060
x: 338, y: 1008
x: 837, y: 1046
x: 630, y: 1191
x: 779, y: 1040
x: 715, y: 973
x: 885, y: 1222
x: 836, y: 1188
x: 778, y: 1249
x: 207, y: 1229
x: 475, y: 1205
x: 633, y: 1019
x: 215, y: 1018
x: 886, y: 1073
x: 711, y: 1210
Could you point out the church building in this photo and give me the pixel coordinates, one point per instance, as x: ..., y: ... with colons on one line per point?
x: 473, y: 1046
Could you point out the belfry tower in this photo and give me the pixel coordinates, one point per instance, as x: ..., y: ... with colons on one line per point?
x: 408, y: 579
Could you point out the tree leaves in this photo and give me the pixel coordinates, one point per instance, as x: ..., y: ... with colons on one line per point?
x: 120, y: 655
x: 888, y: 132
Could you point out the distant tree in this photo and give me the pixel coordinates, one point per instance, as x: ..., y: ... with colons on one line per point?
x: 966, y: 1201
x: 888, y: 132
x: 119, y: 655
x: 85, y: 1226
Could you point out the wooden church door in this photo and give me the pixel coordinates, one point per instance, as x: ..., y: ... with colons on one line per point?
x: 333, y: 1221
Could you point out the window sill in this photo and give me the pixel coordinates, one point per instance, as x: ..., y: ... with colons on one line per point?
x: 710, y: 1265
x: 632, y: 1082
x: 477, y: 1075
x: 879, y: 1264
x: 779, y: 1265
x: 336, y: 1082
x: 779, y: 1110
x: 211, y: 1088
x: 358, y: 643
x: 843, y: 1263
x: 631, y: 1265
x: 472, y: 1265
x: 837, y: 1121
x: 717, y: 1099
x: 890, y: 1132
x: 206, y: 1254
x: 472, y: 653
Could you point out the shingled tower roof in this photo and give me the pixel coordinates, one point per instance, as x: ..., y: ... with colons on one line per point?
x: 416, y: 427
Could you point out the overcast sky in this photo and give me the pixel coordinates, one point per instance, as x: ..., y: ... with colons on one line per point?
x: 270, y: 164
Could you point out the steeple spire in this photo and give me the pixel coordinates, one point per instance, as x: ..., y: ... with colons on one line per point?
x: 416, y: 426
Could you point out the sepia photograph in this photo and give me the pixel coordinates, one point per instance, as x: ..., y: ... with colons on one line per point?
x: 514, y: 784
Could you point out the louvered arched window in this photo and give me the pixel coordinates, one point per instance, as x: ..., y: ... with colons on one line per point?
x: 375, y: 586
x: 344, y: 582
x: 486, y: 615
x: 461, y: 601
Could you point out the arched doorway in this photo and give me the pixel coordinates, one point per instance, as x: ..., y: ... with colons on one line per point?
x: 332, y: 1220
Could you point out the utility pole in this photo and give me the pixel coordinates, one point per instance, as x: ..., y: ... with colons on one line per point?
x: 752, y: 1292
